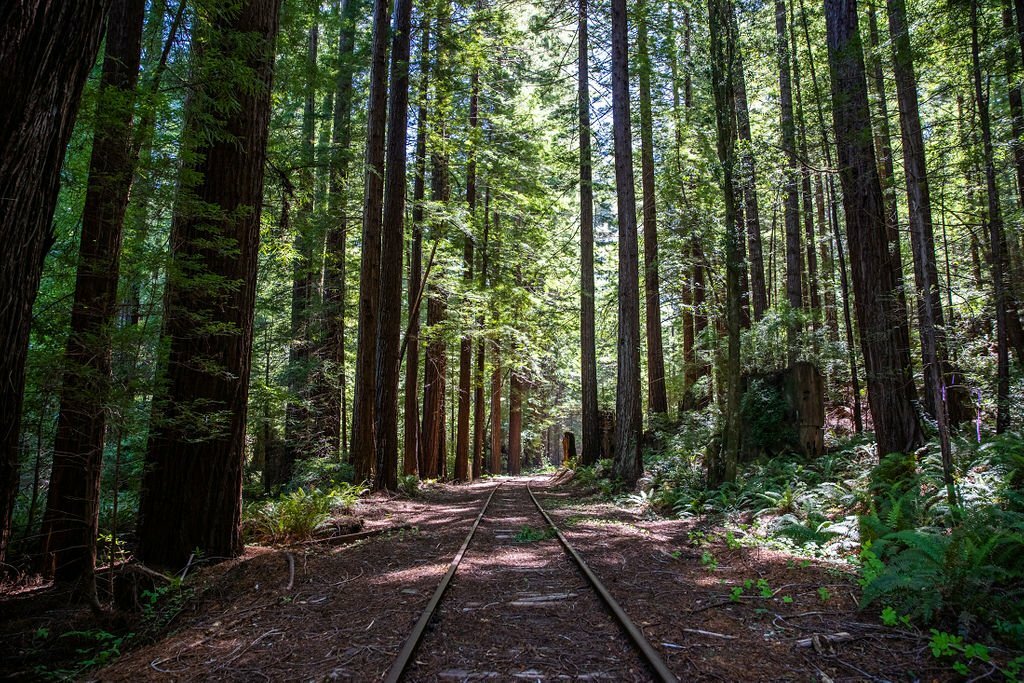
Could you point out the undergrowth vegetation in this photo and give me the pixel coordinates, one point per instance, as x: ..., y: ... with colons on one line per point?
x: 297, y: 515
x: 919, y: 560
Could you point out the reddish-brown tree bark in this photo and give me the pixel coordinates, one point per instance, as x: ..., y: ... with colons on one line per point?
x: 884, y: 332
x: 192, y: 486
x: 47, y: 48
x: 70, y: 523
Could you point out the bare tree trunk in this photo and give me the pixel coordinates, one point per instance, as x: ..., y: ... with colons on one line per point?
x: 433, y: 453
x: 332, y: 411
x: 628, y: 464
x: 192, y: 486
x: 70, y: 523
x: 495, y: 467
x: 813, y: 301
x: 389, y: 317
x: 723, y: 42
x: 657, y: 399
x: 298, y: 443
x: 794, y: 269
x: 748, y: 185
x: 479, y: 400
x: 515, y: 423
x: 882, y: 319
x: 588, y: 346
x: 997, y: 235
x: 363, y: 420
x: 47, y: 48
x: 412, y: 362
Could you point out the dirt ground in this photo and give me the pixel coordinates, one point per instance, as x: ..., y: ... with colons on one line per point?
x: 517, y: 610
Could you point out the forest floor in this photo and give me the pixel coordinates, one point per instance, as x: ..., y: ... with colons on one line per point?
x: 714, y: 609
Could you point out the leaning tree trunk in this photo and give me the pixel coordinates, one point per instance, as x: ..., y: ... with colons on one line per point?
x: 628, y: 464
x: 657, y: 400
x: 588, y: 346
x: 47, y: 48
x: 192, y: 486
x: 363, y: 442
x: 389, y: 318
x: 70, y: 523
x: 884, y: 333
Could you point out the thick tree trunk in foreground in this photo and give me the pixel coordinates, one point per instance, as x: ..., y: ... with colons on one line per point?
x: 588, y: 346
x: 364, y: 401
x: 723, y: 40
x: 628, y: 464
x: 47, y: 48
x: 884, y: 333
x: 657, y: 400
x: 70, y: 523
x: 192, y: 486
x: 389, y: 318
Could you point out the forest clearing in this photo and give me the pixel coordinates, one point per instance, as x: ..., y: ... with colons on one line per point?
x: 512, y: 339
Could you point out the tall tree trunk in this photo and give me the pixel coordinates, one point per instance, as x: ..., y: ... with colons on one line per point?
x: 479, y: 401
x: 794, y: 292
x: 810, y: 252
x: 363, y: 420
x: 628, y: 464
x: 591, y: 435
x: 515, y: 423
x: 432, y: 448
x: 463, y: 465
x: 495, y: 461
x: 70, y: 523
x: 332, y: 411
x: 657, y: 400
x: 47, y: 48
x: 1015, y: 255
x: 297, y: 437
x: 412, y: 360
x: 748, y: 185
x: 931, y: 322
x: 389, y: 318
x: 997, y: 234
x: 723, y: 41
x: 192, y: 486
x: 882, y: 319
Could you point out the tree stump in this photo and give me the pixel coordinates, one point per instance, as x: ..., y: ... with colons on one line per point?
x: 607, y: 426
x: 805, y: 392
x: 568, y: 447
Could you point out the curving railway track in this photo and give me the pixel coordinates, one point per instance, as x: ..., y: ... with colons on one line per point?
x: 525, y: 608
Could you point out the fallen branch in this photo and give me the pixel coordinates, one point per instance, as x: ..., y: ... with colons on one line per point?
x: 349, y: 538
x: 712, y: 634
x: 291, y: 571
x: 817, y: 640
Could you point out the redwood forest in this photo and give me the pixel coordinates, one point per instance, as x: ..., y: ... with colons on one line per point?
x: 453, y: 340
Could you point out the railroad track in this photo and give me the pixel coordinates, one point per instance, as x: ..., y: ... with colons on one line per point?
x: 646, y: 652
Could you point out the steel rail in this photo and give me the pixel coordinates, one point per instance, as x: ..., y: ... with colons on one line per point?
x: 409, y: 648
x: 650, y: 655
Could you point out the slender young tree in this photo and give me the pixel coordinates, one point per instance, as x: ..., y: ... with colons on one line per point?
x: 412, y: 359
x: 496, y: 379
x: 389, y: 317
x: 70, y: 523
x: 463, y: 465
x: 47, y: 48
x: 363, y: 438
x: 794, y: 269
x: 192, y: 486
x: 628, y: 465
x: 748, y: 185
x: 997, y: 233
x: 657, y: 399
x: 591, y: 435
x: 517, y: 387
x: 332, y: 411
x: 882, y: 320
